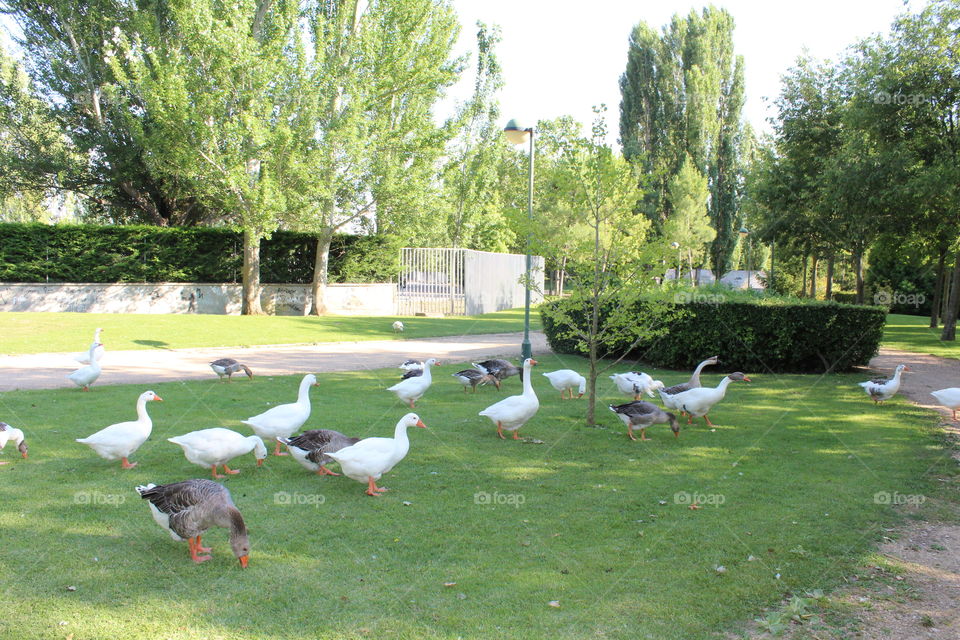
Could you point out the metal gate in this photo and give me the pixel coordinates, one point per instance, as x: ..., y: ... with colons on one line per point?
x: 463, y: 282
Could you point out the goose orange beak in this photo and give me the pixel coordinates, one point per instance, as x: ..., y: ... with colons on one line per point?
x: 243, y: 561
x: 421, y: 425
x: 158, y: 398
x: 260, y: 462
x: 532, y: 361
x: 746, y: 379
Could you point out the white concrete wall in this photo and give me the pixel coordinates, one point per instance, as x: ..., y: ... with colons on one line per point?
x: 278, y: 299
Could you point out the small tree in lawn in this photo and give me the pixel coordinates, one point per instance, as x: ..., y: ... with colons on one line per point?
x: 608, y: 260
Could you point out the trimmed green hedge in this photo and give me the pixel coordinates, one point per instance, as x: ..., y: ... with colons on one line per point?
x: 756, y: 336
x: 105, y: 254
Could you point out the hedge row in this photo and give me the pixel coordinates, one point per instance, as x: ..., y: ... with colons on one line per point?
x: 753, y: 336
x: 103, y: 254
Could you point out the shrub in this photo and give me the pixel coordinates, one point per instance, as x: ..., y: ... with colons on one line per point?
x: 105, y: 254
x: 767, y: 334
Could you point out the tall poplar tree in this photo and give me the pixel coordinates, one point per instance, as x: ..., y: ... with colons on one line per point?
x: 682, y: 93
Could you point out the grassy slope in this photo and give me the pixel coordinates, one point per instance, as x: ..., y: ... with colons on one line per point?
x: 44, y: 332
x: 797, y: 460
x: 913, y: 333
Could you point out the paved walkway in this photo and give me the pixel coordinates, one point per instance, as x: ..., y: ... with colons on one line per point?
x: 49, y: 370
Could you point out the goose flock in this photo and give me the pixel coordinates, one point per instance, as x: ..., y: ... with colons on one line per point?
x: 187, y: 509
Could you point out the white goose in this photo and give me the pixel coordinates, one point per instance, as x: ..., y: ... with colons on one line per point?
x: 698, y: 402
x: 635, y: 383
x: 281, y: 421
x: 412, y: 389
x: 7, y: 434
x: 370, y: 458
x: 86, y: 376
x: 564, y: 380
x: 218, y: 446
x: 83, y: 357
x: 693, y: 382
x: 514, y: 412
x: 119, y: 441
x: 949, y: 398
x: 882, y: 389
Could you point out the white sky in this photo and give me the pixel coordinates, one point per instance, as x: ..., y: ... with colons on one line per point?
x: 561, y: 58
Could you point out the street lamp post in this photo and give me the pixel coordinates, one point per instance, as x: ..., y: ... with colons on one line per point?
x: 676, y: 245
x: 518, y: 134
x: 744, y: 232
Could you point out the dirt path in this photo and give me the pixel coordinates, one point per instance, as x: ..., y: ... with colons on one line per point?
x: 49, y: 370
x: 928, y: 373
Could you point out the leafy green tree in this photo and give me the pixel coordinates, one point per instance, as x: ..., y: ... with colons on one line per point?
x: 682, y: 93
x: 607, y: 252
x: 689, y: 222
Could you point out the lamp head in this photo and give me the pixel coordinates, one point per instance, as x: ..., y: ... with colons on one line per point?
x: 517, y: 132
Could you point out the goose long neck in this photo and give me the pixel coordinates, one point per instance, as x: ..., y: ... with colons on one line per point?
x: 527, y: 381
x: 695, y: 378
x: 722, y: 387
x: 896, y: 375
x: 303, y: 396
x: 142, y: 415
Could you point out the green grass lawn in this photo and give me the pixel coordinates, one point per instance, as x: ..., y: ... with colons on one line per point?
x: 588, y: 518
x: 44, y: 332
x: 913, y: 333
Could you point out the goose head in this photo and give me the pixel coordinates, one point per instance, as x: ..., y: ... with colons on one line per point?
x: 22, y: 448
x: 902, y: 367
x: 738, y: 376
x: 259, y: 450
x: 240, y: 544
x: 674, y: 425
x: 412, y: 420
x: 150, y: 396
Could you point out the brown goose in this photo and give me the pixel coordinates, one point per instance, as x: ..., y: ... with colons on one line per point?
x: 643, y: 414
x: 310, y: 448
x: 498, y: 370
x: 694, y: 381
x: 187, y: 509
x: 228, y: 367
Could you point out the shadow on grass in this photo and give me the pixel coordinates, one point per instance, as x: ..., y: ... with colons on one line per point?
x: 156, y: 344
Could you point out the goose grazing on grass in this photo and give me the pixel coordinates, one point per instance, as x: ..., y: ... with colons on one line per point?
x: 643, y: 414
x: 119, y: 441
x: 285, y: 419
x: 698, y: 402
x: 949, y: 398
x: 498, y: 369
x: 8, y: 434
x: 187, y: 509
x: 636, y: 383
x: 693, y: 382
x: 398, y: 326
x: 86, y: 376
x: 472, y: 378
x: 370, y: 458
x: 412, y: 389
x: 564, y: 380
x: 882, y: 389
x: 514, y: 412
x: 83, y: 357
x: 227, y: 367
x: 310, y: 448
x: 218, y: 446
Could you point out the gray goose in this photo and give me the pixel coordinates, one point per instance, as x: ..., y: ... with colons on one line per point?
x: 310, y: 448
x: 694, y: 381
x: 228, y: 367
x: 187, y: 509
x: 498, y: 370
x: 472, y: 378
x: 643, y: 414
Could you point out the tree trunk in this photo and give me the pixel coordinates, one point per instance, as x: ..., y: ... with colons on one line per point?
x: 938, y: 287
x: 321, y: 273
x: 829, y: 294
x: 813, y: 277
x: 953, y: 305
x: 251, y: 275
x: 803, y: 284
x: 858, y: 268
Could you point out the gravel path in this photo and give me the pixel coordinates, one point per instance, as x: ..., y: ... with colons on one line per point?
x: 49, y: 370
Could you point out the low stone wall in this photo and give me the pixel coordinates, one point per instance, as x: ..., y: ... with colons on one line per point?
x: 277, y: 299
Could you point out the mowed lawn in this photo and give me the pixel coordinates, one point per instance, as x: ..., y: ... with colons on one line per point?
x: 477, y: 536
x: 913, y: 333
x: 22, y: 333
